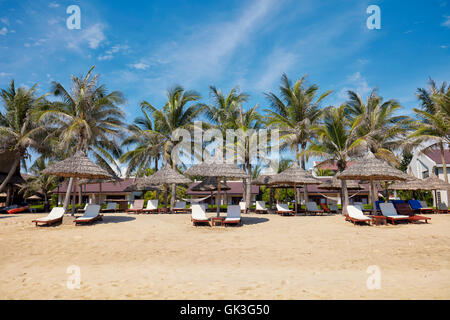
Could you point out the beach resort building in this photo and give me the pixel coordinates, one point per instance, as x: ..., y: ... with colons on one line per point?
x: 429, y: 163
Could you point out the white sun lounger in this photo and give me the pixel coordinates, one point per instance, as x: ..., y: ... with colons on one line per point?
x: 388, y: 210
x: 261, y: 207
x: 355, y: 214
x: 198, y: 214
x: 180, y: 206
x: 92, y: 214
x: 233, y: 215
x: 111, y: 206
x: 152, y: 207
x: 56, y: 215
x: 243, y: 206
x: 283, y: 209
x: 311, y: 207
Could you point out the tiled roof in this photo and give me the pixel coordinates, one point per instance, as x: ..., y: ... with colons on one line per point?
x: 236, y: 187
x: 435, y: 155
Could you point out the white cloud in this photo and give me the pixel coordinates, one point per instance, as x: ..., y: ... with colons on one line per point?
x: 3, y: 31
x: 139, y: 66
x: 5, y: 74
x: 444, y: 47
x: 355, y: 82
x: 53, y: 5
x: 4, y: 21
x: 446, y: 23
x: 93, y: 36
x: 278, y: 62
x: 105, y: 57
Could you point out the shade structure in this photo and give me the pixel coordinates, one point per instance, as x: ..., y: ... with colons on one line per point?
x: 371, y: 169
x: 335, y: 184
x: 411, y: 183
x: 166, y: 175
x: 218, y: 170
x: 294, y: 176
x: 34, y: 197
x: 141, y: 185
x: 77, y: 166
x: 434, y: 183
x: 210, y: 184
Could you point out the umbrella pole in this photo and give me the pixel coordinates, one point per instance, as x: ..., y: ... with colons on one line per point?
x: 296, y: 197
x: 372, y: 194
x: 218, y: 197
x: 75, y: 182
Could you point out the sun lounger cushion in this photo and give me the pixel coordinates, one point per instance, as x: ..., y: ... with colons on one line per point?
x: 356, y: 213
x: 92, y: 212
x: 199, y: 213
x: 233, y: 214
x: 283, y: 207
x: 388, y: 210
x: 261, y: 206
x: 56, y: 213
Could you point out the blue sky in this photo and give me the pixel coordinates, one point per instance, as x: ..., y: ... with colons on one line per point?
x: 144, y: 47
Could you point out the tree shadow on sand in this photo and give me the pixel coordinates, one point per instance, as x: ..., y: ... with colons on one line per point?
x: 253, y: 220
x: 116, y: 219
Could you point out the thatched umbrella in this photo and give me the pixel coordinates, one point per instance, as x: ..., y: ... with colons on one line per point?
x: 211, y: 184
x: 294, y: 176
x: 371, y: 169
x: 165, y: 176
x: 218, y: 170
x: 335, y: 184
x: 141, y: 185
x: 411, y: 183
x: 77, y: 166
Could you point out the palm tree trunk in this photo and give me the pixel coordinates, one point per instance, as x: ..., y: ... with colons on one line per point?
x: 9, y: 195
x: 444, y: 164
x: 444, y: 167
x: 248, y: 186
x: 11, y: 172
x: 271, y: 197
x: 68, y: 191
x: 80, y: 193
x: 303, y: 165
x: 73, y: 196
x: 173, y: 192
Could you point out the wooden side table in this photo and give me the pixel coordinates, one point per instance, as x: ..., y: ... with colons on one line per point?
x: 217, y: 221
x: 379, y: 220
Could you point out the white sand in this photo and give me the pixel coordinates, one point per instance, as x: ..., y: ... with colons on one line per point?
x: 269, y: 257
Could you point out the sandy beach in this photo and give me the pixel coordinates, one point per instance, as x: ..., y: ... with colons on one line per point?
x: 269, y: 257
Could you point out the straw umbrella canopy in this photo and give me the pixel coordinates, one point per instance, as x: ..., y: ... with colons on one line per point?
x: 34, y: 197
x: 218, y: 170
x: 335, y: 184
x: 165, y: 176
x: 211, y: 184
x: 371, y: 169
x: 77, y: 166
x: 141, y: 185
x: 294, y: 176
x: 411, y: 183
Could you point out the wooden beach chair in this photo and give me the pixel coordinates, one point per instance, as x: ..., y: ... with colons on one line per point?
x: 311, y: 208
x: 91, y: 215
x: 198, y: 215
x: 180, y: 207
x: 136, y: 207
x: 283, y: 209
x: 417, y: 206
x: 355, y: 215
x: 152, y: 207
x: 233, y: 215
x: 110, y: 207
x: 243, y: 206
x: 388, y: 210
x: 55, y: 216
x: 442, y: 208
x: 261, y: 207
x: 325, y: 207
x: 405, y: 209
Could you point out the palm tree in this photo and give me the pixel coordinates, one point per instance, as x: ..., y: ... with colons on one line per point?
x: 40, y: 183
x: 18, y: 128
x: 382, y: 130
x: 380, y: 127
x: 86, y: 119
x: 295, y: 113
x: 337, y: 140
x: 179, y: 112
x: 247, y: 125
x: 224, y: 110
x: 434, y: 124
x: 147, y: 145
